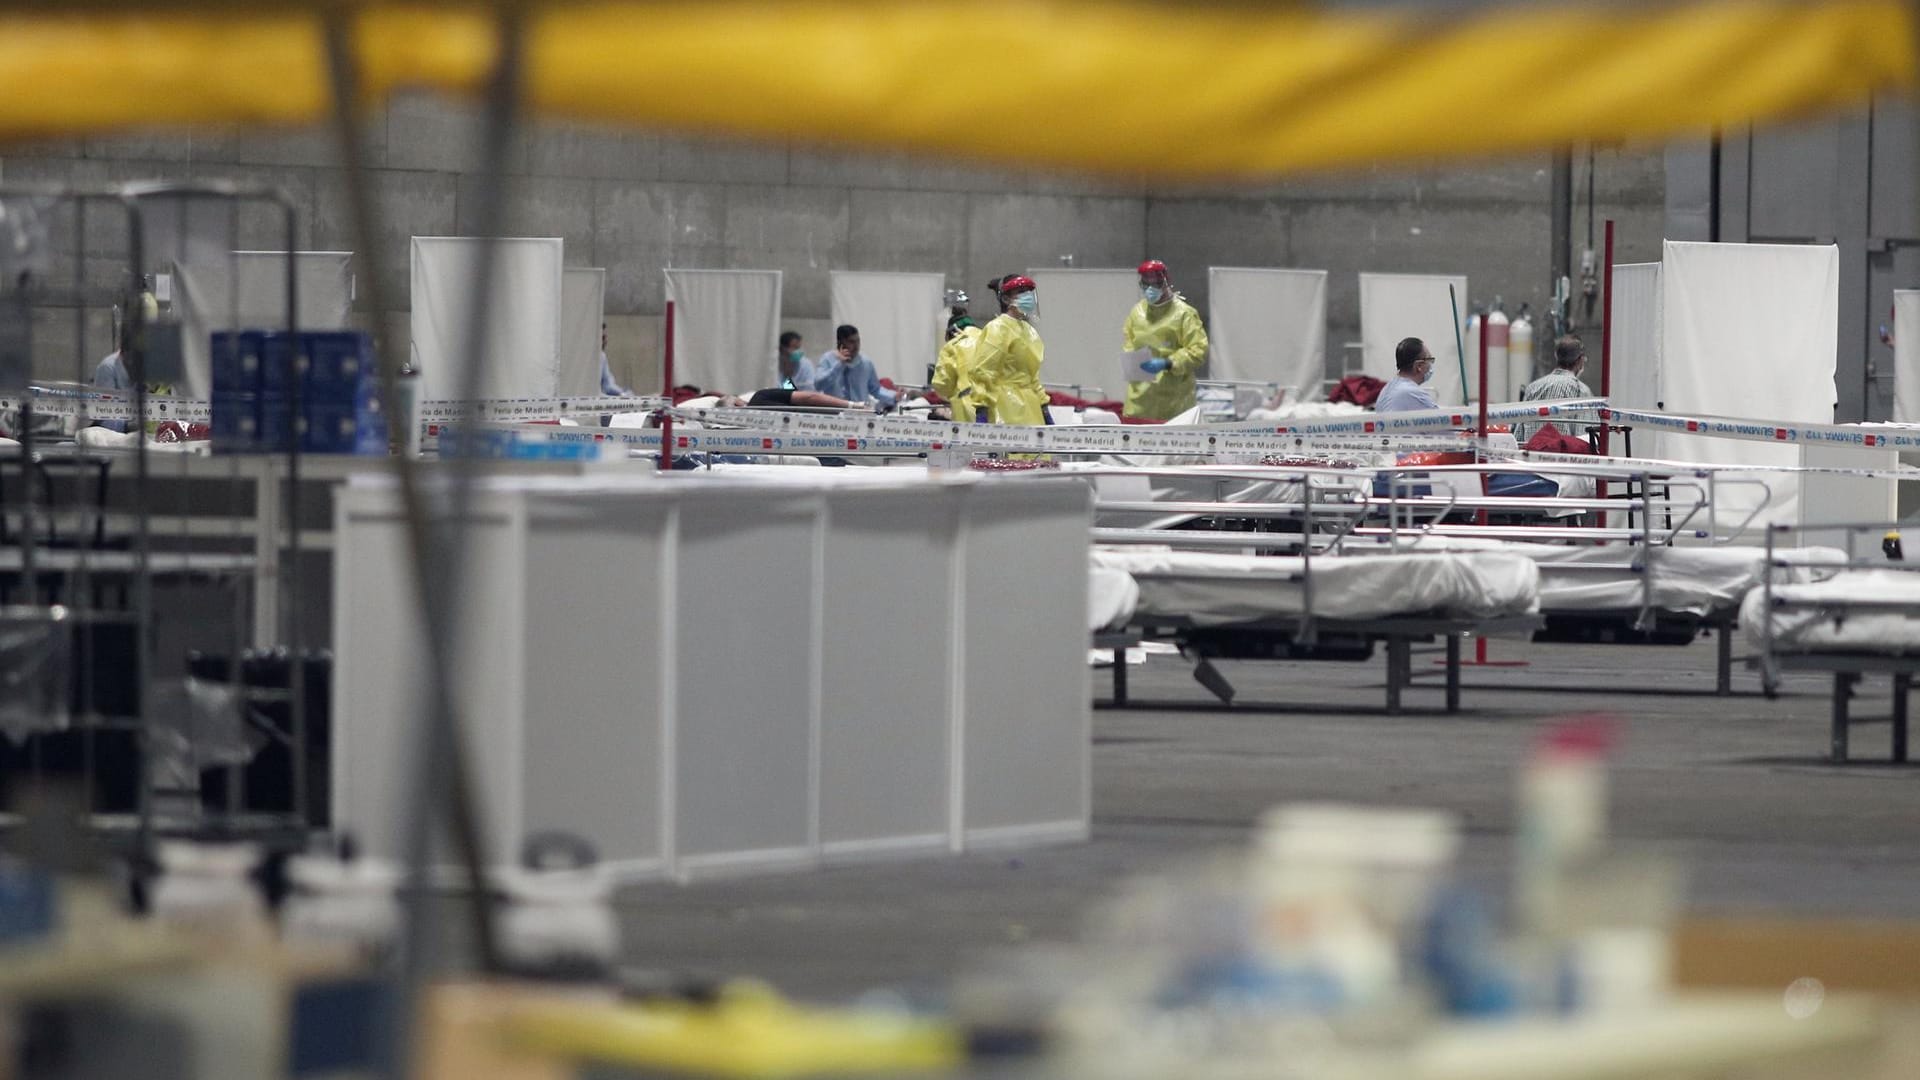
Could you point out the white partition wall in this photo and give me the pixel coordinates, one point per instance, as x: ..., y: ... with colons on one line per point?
x: 901, y: 318
x: 520, y: 333
x: 691, y: 672
x: 1634, y: 380
x: 726, y: 326
x: 1397, y: 306
x: 1906, y: 356
x: 249, y: 292
x: 583, y: 297
x: 1749, y: 330
x: 1268, y: 326
x: 1081, y: 313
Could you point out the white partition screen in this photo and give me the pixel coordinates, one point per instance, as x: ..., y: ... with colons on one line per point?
x: 249, y: 292
x: 1396, y: 306
x: 901, y: 318
x: 1749, y: 330
x: 1081, y: 314
x: 726, y: 324
x: 520, y: 332
x: 1634, y: 378
x: 1268, y: 326
x: 583, y: 298
x: 1906, y: 356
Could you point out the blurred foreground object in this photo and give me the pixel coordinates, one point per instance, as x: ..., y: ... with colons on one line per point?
x: 1288, y: 87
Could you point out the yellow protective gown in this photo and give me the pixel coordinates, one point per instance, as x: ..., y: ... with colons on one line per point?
x: 1173, y: 331
x: 1007, y: 362
x: 956, y: 376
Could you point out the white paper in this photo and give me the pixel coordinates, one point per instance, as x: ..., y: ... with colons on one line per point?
x: 1083, y: 314
x: 1267, y: 325
x: 726, y: 325
x: 1748, y: 330
x: 520, y: 338
x: 1132, y: 366
x: 901, y: 318
x: 1396, y: 306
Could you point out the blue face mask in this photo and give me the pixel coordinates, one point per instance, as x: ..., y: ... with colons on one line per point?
x: 1153, y: 293
x: 1026, y: 302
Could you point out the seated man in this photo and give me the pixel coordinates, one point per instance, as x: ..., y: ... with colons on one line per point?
x: 845, y: 373
x: 1406, y: 392
x: 791, y: 362
x: 1561, y: 384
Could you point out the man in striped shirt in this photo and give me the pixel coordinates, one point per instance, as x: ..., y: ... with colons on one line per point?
x: 1561, y: 384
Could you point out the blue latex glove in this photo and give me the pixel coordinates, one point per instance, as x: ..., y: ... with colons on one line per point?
x: 1156, y: 365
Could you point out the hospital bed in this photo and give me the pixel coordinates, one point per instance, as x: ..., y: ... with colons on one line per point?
x: 1228, y: 606
x: 1863, y: 619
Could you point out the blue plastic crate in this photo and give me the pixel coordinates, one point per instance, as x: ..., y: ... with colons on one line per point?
x: 236, y: 361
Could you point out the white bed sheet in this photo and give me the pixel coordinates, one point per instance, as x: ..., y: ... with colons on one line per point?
x: 1213, y: 589
x: 1686, y: 580
x: 1112, y: 597
x: 1811, y: 630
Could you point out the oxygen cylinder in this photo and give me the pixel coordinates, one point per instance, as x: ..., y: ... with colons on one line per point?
x: 1499, y: 327
x: 1520, y: 349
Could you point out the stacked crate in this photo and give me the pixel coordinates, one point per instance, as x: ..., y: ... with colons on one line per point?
x: 256, y: 374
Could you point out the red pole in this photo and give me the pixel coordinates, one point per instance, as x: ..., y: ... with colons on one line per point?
x: 666, y: 421
x: 1606, y: 357
x: 1480, y: 643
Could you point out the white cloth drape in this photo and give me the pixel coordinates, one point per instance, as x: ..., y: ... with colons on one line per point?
x: 726, y: 325
x: 249, y: 292
x: 520, y: 338
x: 1906, y: 356
x: 1396, y: 306
x: 1635, y: 360
x: 1748, y: 330
x: 1081, y: 316
x: 901, y: 318
x: 583, y: 294
x: 1268, y: 325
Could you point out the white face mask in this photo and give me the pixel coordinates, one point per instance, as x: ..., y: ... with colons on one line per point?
x: 1153, y: 293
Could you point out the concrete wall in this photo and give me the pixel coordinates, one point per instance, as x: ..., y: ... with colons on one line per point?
x: 635, y: 202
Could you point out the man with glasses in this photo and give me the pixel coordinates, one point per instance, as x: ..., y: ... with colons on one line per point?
x: 1405, y: 393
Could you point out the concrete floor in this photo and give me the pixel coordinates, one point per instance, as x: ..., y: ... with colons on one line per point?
x: 1739, y: 785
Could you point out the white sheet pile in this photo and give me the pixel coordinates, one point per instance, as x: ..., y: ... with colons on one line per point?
x: 1801, y: 629
x: 1216, y: 589
x: 1686, y: 580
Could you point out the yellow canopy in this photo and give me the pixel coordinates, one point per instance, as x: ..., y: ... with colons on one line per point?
x: 1234, y: 89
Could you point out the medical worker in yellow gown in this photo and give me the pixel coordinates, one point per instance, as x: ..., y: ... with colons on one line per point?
x: 1006, y: 363
x: 1166, y: 325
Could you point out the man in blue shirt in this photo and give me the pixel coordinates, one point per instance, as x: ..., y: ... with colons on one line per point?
x: 111, y: 374
x: 609, y: 386
x: 844, y: 373
x: 1405, y: 393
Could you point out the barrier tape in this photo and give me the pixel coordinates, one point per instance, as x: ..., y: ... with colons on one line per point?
x: 118, y: 405
x: 1785, y: 433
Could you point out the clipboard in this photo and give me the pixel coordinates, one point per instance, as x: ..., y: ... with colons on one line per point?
x: 1131, y: 365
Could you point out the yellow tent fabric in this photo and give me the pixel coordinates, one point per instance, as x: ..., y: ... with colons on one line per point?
x: 1227, y: 90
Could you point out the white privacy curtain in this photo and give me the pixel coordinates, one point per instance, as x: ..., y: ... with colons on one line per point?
x: 1906, y: 356
x: 520, y: 335
x: 726, y: 325
x: 248, y: 291
x: 583, y: 295
x: 1268, y: 326
x: 1081, y: 315
x: 901, y: 318
x: 1396, y: 306
x: 1749, y: 330
x: 1634, y: 378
